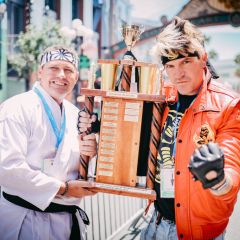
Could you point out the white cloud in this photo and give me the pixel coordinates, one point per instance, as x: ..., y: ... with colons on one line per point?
x: 154, y: 9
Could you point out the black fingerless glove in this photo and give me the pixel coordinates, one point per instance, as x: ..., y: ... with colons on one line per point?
x: 205, y: 159
x: 95, y: 125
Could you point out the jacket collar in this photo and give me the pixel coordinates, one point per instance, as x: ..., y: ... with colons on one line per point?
x: 203, y: 103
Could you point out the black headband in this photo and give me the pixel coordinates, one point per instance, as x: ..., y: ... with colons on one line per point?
x: 166, y: 59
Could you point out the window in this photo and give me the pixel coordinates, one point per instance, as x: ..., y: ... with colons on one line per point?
x: 77, y: 9
x: 54, y: 8
x: 15, y: 9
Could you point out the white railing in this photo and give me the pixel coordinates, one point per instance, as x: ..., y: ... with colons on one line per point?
x: 108, y: 214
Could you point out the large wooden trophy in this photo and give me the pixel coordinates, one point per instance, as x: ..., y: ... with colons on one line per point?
x: 130, y: 124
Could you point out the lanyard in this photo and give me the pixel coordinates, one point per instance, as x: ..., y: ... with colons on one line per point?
x: 58, y: 133
x: 175, y: 131
x: 176, y: 127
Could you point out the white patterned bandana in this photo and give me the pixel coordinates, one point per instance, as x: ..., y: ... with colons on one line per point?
x: 59, y: 54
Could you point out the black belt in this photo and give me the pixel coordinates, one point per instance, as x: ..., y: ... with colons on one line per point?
x: 160, y: 217
x: 54, y: 208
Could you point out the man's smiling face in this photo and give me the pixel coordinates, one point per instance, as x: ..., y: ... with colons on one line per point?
x: 58, y: 78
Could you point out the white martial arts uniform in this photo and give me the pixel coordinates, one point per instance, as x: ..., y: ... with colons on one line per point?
x: 27, y: 149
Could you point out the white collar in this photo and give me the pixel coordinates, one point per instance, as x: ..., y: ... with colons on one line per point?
x: 54, y: 106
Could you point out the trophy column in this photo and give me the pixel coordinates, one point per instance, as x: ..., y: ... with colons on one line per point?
x: 83, y: 168
x: 154, y: 142
x: 126, y: 74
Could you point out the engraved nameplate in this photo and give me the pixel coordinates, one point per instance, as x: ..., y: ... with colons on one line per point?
x: 129, y: 118
x: 106, y: 159
x: 123, y: 188
x: 105, y: 173
x: 106, y: 166
x: 109, y: 124
x: 121, y: 94
x: 129, y: 111
x: 107, y: 151
x: 110, y: 117
x: 132, y: 105
x: 107, y: 145
x: 111, y: 104
x: 108, y: 130
x: 110, y: 110
x: 106, y: 137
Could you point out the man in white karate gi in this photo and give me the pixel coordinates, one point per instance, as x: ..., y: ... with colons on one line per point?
x: 39, y: 156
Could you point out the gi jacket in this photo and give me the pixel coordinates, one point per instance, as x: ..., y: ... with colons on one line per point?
x: 214, y: 115
x: 27, y: 141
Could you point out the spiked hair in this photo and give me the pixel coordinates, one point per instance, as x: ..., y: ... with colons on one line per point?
x: 179, y: 39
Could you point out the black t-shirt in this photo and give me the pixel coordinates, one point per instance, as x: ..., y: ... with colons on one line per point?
x: 165, y: 152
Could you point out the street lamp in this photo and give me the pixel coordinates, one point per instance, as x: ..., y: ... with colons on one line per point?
x: 3, y: 8
x: 76, y: 34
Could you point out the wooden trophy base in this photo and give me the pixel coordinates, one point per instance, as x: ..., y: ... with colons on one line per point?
x: 139, y: 192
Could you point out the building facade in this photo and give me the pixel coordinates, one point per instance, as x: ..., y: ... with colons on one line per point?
x: 20, y: 13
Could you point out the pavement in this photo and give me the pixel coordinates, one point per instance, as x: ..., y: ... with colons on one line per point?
x: 133, y: 230
x: 233, y: 228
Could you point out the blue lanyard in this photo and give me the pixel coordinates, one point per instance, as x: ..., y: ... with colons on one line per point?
x: 59, y: 134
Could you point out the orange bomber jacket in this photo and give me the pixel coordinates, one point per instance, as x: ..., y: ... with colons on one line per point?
x: 214, y: 115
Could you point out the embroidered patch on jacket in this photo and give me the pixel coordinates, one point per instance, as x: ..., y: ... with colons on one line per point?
x: 204, y: 135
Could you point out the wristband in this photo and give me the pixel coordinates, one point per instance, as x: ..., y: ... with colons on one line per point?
x: 66, y: 189
x: 222, y: 189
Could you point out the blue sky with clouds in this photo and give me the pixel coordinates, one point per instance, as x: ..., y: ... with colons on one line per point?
x: 225, y: 39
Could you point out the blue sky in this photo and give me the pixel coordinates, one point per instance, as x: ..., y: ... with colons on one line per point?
x: 225, y: 40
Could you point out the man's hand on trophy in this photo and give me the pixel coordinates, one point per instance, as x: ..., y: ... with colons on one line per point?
x: 88, y: 145
x: 77, y: 188
x: 86, y: 121
x: 207, y: 165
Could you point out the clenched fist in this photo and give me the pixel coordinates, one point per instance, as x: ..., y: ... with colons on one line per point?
x: 88, y: 145
x: 86, y: 121
x: 207, y: 165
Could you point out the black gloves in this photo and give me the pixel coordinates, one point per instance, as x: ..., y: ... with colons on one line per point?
x: 205, y: 159
x: 95, y: 123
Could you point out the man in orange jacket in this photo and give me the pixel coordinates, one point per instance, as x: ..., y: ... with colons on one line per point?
x: 198, y: 165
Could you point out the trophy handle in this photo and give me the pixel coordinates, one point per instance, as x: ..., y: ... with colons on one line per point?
x: 84, y: 160
x: 125, y: 78
x: 158, y: 109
